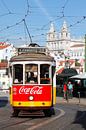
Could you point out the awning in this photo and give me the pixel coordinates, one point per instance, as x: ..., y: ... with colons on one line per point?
x: 79, y: 76
x: 68, y: 72
x: 59, y: 71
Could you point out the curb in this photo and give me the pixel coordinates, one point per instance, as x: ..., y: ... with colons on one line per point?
x: 76, y: 101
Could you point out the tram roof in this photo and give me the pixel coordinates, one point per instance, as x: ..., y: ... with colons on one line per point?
x: 32, y: 57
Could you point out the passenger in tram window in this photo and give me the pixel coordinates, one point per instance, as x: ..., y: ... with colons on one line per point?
x: 16, y: 81
x: 32, y: 79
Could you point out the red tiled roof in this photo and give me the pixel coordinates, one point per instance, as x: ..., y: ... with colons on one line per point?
x: 70, y: 60
x: 3, y: 45
x: 78, y: 45
x: 3, y: 65
x: 61, y: 63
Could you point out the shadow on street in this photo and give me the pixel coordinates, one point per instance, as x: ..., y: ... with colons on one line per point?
x: 81, y: 119
x: 3, y: 101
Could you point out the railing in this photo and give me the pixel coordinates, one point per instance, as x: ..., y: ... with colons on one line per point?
x: 4, y: 90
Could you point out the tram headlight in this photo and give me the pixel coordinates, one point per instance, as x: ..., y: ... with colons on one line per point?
x: 31, y: 98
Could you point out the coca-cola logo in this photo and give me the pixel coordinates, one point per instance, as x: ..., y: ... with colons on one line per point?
x: 32, y: 90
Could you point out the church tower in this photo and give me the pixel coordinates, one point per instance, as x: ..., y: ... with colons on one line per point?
x: 64, y: 32
x: 52, y: 43
x: 64, y: 37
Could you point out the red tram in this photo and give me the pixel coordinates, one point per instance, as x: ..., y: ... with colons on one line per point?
x: 33, y: 77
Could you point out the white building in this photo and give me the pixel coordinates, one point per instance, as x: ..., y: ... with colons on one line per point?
x: 52, y: 40
x: 4, y: 80
x: 6, y: 51
x: 64, y: 46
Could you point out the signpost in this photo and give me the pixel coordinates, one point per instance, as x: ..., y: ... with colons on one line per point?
x: 85, y: 52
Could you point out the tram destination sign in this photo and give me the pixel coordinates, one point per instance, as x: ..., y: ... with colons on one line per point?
x: 32, y: 50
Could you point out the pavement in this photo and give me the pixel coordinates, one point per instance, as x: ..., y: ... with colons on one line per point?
x: 4, y: 95
x: 74, y: 100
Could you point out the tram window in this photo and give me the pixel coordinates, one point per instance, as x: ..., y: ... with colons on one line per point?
x: 18, y: 73
x: 31, y: 72
x: 44, y: 74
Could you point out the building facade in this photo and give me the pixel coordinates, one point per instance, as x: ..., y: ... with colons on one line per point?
x: 65, y: 48
x: 6, y: 52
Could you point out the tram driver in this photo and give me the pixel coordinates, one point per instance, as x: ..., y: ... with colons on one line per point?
x: 32, y: 78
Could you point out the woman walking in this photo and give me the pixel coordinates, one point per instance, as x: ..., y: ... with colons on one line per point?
x: 65, y: 90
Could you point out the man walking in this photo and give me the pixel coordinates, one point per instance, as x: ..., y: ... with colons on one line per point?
x: 70, y: 89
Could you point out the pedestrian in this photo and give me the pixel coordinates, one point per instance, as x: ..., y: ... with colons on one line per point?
x: 32, y: 78
x: 65, y: 90
x: 70, y: 89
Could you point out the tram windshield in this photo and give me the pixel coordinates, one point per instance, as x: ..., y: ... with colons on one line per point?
x: 18, y: 73
x: 32, y: 74
x: 44, y: 74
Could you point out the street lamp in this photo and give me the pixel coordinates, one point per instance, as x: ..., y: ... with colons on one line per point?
x: 67, y: 62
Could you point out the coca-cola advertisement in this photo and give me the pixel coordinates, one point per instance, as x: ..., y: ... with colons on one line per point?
x: 39, y: 92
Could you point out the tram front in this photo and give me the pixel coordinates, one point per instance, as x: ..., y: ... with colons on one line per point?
x: 33, y: 83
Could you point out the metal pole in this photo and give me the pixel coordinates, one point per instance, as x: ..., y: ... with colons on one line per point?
x: 85, y: 52
x: 79, y: 96
x: 27, y: 30
x: 67, y: 96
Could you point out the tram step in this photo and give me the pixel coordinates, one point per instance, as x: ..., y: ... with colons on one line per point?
x: 33, y: 113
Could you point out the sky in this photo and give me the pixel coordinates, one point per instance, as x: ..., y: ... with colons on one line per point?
x: 25, y: 21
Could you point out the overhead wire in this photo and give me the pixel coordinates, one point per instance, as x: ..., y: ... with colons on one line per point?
x: 45, y: 25
x: 64, y: 6
x: 57, y: 17
x: 10, y: 26
x: 6, y: 6
x: 17, y: 23
x: 64, y: 16
x: 77, y: 22
x: 71, y: 25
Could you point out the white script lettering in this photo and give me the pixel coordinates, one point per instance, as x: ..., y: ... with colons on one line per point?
x: 33, y: 90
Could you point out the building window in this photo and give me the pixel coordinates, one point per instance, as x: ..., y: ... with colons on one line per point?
x: 5, y: 57
x: 77, y: 54
x: 3, y: 83
x: 66, y: 34
x: 80, y: 53
x: 3, y: 75
x: 6, y: 50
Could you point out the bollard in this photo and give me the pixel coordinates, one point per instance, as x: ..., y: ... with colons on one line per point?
x: 79, y: 96
x: 67, y: 96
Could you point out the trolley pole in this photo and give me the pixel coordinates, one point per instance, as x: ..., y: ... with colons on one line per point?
x: 85, y: 52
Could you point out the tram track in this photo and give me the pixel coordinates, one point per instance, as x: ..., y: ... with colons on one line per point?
x: 23, y: 118
x: 36, y: 122
x: 12, y: 122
